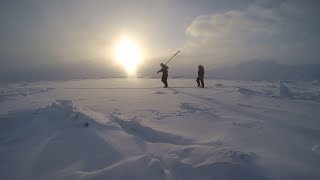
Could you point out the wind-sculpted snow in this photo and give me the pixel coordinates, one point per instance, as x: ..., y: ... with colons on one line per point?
x: 148, y: 134
x: 54, y: 142
x: 43, y: 143
x: 114, y: 129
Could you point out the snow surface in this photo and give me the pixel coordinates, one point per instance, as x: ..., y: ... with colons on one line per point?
x: 134, y: 129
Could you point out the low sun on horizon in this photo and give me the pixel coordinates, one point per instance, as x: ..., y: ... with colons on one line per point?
x: 128, y: 54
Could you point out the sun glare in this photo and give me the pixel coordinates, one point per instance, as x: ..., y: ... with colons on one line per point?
x: 128, y: 54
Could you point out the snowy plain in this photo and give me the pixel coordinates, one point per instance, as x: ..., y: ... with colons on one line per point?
x: 135, y: 129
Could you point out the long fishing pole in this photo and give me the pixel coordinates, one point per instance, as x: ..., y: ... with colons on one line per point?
x: 172, y: 57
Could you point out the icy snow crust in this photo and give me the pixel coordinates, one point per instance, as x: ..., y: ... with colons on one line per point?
x: 134, y: 129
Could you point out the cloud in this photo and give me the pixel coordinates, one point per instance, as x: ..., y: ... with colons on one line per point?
x: 228, y: 23
x: 254, y: 19
x: 260, y: 31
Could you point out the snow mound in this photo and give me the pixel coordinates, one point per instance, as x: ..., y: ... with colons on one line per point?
x: 46, y: 141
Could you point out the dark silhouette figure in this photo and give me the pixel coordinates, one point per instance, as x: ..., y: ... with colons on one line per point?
x: 200, y: 76
x: 164, y: 70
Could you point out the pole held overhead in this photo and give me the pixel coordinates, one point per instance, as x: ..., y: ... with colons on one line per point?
x: 172, y: 57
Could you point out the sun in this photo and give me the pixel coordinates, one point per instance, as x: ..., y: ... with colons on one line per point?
x: 128, y: 55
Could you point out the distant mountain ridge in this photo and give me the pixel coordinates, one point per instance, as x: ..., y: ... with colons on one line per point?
x: 266, y: 70
x: 250, y: 70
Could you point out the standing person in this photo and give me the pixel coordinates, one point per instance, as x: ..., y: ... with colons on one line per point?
x: 164, y: 78
x: 200, y: 76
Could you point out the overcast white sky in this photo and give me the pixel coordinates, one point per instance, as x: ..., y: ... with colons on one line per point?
x: 210, y: 32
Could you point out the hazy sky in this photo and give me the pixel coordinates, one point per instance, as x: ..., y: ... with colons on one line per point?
x: 37, y: 32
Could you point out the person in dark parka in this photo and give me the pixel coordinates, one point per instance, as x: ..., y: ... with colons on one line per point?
x: 200, y: 76
x: 164, y: 78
